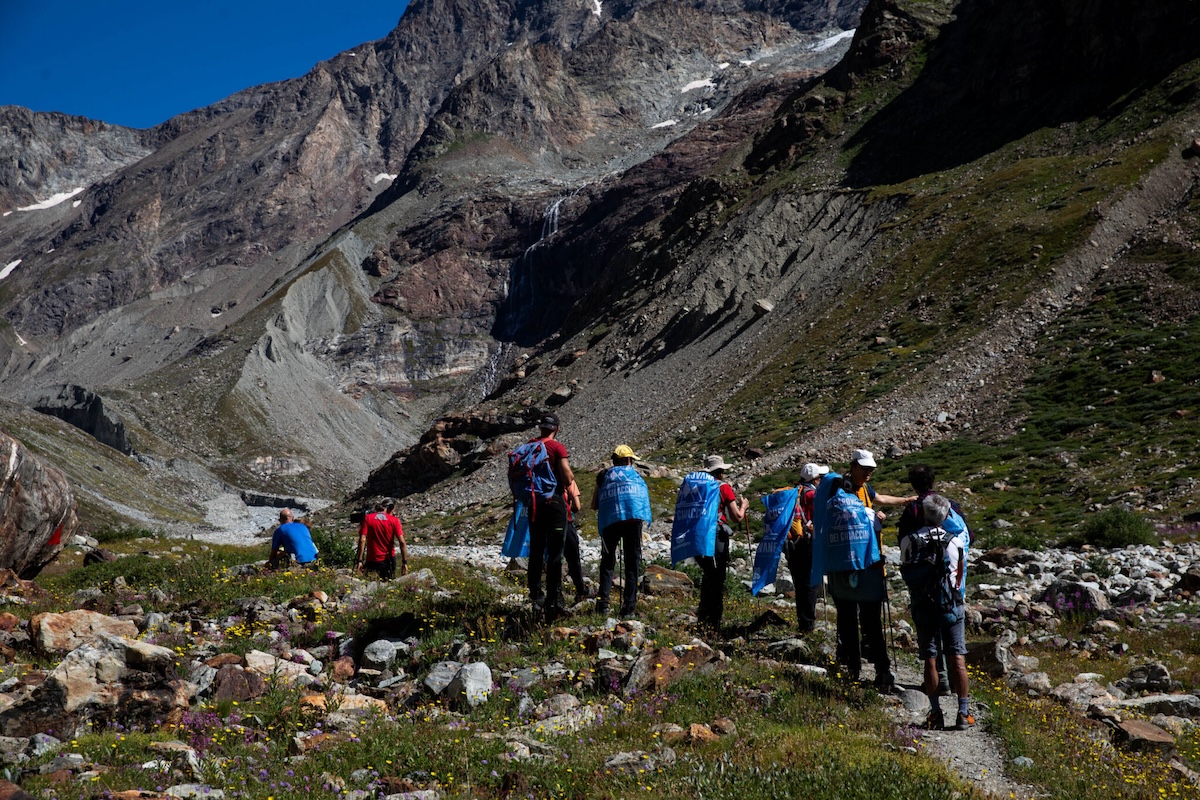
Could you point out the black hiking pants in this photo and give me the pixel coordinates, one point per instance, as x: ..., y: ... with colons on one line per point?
x: 799, y: 554
x: 547, y: 535
x: 712, y: 580
x: 627, y: 534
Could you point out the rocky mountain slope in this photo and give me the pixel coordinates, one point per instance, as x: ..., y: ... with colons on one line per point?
x: 668, y: 219
x: 199, y: 292
x: 916, y: 282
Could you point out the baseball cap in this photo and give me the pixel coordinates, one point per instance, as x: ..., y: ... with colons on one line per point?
x: 548, y: 422
x: 624, y: 451
x: 864, y: 458
x: 810, y: 472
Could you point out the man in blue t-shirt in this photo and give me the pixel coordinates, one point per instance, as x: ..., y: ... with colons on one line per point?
x: 291, y: 542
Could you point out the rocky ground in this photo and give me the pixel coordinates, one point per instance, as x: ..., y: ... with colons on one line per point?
x: 111, y: 660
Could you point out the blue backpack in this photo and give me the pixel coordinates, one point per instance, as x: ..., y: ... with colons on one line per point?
x: 531, y: 474
x: 697, y: 512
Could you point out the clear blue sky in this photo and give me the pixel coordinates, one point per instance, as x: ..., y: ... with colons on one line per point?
x: 137, y: 63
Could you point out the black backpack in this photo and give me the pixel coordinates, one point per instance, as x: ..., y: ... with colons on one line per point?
x: 926, y: 571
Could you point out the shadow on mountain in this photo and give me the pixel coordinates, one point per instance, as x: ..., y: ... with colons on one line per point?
x: 1005, y: 68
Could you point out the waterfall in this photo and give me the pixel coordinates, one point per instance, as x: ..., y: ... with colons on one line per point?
x: 521, y: 292
x: 490, y: 372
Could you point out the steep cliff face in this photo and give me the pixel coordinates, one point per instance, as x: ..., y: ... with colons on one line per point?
x: 894, y: 315
x: 48, y: 154
x: 256, y: 295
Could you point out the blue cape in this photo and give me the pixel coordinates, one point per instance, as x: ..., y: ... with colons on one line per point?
x: 844, y: 536
x: 697, y: 511
x: 623, y: 496
x: 777, y: 521
x: 516, y: 538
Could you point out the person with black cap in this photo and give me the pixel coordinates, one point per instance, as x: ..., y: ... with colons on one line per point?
x: 377, y: 535
x: 622, y: 503
x: 713, y: 568
x: 548, y: 520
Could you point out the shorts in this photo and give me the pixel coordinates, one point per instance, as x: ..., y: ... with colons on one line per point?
x: 384, y: 569
x: 932, y: 630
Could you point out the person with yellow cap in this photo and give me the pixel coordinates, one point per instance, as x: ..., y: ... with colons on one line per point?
x: 622, y: 505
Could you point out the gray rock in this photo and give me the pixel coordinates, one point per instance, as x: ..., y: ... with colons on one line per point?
x: 195, y: 791
x: 1022, y: 761
x: 13, y: 749
x: 42, y: 743
x: 440, y: 676
x: 1173, y: 705
x: 472, y: 685
x: 379, y: 654
x: 35, y: 501
x: 915, y: 702
x: 1034, y: 683
x: 796, y: 650
x: 556, y: 705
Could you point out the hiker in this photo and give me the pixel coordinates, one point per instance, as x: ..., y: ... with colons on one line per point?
x: 540, y: 477
x: 862, y: 465
x: 290, y: 542
x: 798, y: 548
x: 860, y: 591
x: 376, y: 543
x: 622, y: 504
x: 912, y: 519
x: 714, y: 567
x: 933, y: 564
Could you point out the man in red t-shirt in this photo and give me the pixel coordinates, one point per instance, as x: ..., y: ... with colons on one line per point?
x: 548, y: 526
x: 714, y: 567
x: 376, y: 535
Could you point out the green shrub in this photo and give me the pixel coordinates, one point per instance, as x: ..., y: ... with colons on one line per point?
x: 336, y: 551
x: 123, y: 534
x: 1113, y: 527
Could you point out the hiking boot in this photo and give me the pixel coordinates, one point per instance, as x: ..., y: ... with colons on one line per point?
x: 601, y: 607
x: 884, y: 683
x: 964, y: 721
x: 628, y: 613
x: 943, y: 685
x: 583, y: 594
x: 934, y: 720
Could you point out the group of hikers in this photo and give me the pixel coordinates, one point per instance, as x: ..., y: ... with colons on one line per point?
x: 380, y: 539
x: 828, y: 529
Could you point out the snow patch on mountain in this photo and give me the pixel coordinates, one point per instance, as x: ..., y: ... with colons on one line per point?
x: 52, y: 201
x: 824, y: 44
x: 706, y: 83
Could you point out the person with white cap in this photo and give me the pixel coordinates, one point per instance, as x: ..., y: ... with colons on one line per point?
x: 622, y: 503
x: 798, y: 548
x: 859, y: 596
x: 713, y: 568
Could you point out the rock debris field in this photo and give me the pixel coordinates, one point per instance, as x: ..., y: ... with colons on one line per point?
x: 106, y: 666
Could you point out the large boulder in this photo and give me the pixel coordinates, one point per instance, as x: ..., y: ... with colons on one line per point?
x: 656, y: 669
x: 37, y: 510
x: 61, y: 633
x: 113, y: 678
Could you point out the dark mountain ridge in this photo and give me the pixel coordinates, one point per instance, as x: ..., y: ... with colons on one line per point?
x: 231, y: 297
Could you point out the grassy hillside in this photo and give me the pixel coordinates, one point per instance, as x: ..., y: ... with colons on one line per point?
x: 1074, y: 424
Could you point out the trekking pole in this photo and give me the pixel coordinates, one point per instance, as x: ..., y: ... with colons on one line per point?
x: 887, y: 601
x: 621, y: 567
x: 749, y: 541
